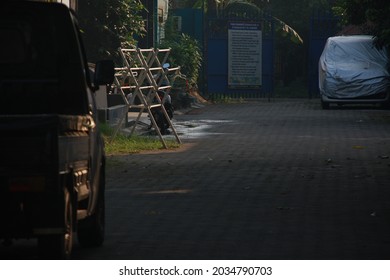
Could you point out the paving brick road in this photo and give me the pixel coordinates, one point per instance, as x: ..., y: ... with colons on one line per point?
x: 258, y: 180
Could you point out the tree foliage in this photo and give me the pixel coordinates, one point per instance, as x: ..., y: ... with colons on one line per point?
x: 372, y: 15
x: 109, y: 24
x: 186, y: 53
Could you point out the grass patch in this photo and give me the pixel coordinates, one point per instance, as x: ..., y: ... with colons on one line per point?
x: 123, y: 144
x: 225, y: 99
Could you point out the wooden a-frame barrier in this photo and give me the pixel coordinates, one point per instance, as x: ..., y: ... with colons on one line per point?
x: 143, y: 76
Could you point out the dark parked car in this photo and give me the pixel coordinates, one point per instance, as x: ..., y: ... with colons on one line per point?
x: 52, y: 163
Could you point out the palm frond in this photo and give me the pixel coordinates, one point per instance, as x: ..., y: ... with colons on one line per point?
x: 287, y: 29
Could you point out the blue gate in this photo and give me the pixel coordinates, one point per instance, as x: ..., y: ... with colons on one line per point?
x: 191, y: 22
x: 212, y: 34
x: 216, y: 56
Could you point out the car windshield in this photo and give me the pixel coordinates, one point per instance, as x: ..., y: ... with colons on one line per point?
x: 38, y: 65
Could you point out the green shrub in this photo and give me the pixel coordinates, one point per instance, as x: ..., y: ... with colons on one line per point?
x: 186, y: 53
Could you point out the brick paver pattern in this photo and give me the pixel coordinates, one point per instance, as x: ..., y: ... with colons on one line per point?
x: 263, y: 180
x: 268, y: 180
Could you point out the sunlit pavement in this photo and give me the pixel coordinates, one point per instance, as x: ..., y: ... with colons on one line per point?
x: 259, y: 180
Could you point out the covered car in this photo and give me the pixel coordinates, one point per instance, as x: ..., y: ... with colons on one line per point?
x: 353, y: 70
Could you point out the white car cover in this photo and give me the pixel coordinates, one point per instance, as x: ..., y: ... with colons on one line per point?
x: 352, y: 67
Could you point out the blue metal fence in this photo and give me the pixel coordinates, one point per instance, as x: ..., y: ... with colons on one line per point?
x: 213, y: 37
x: 217, y: 61
x: 191, y: 22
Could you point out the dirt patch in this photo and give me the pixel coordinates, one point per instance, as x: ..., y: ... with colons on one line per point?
x: 195, y: 93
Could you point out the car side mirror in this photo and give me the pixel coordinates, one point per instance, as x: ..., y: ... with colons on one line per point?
x: 104, y: 72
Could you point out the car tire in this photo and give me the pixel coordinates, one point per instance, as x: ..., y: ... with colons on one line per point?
x: 324, y: 105
x: 59, y: 246
x: 385, y: 105
x: 91, y: 230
